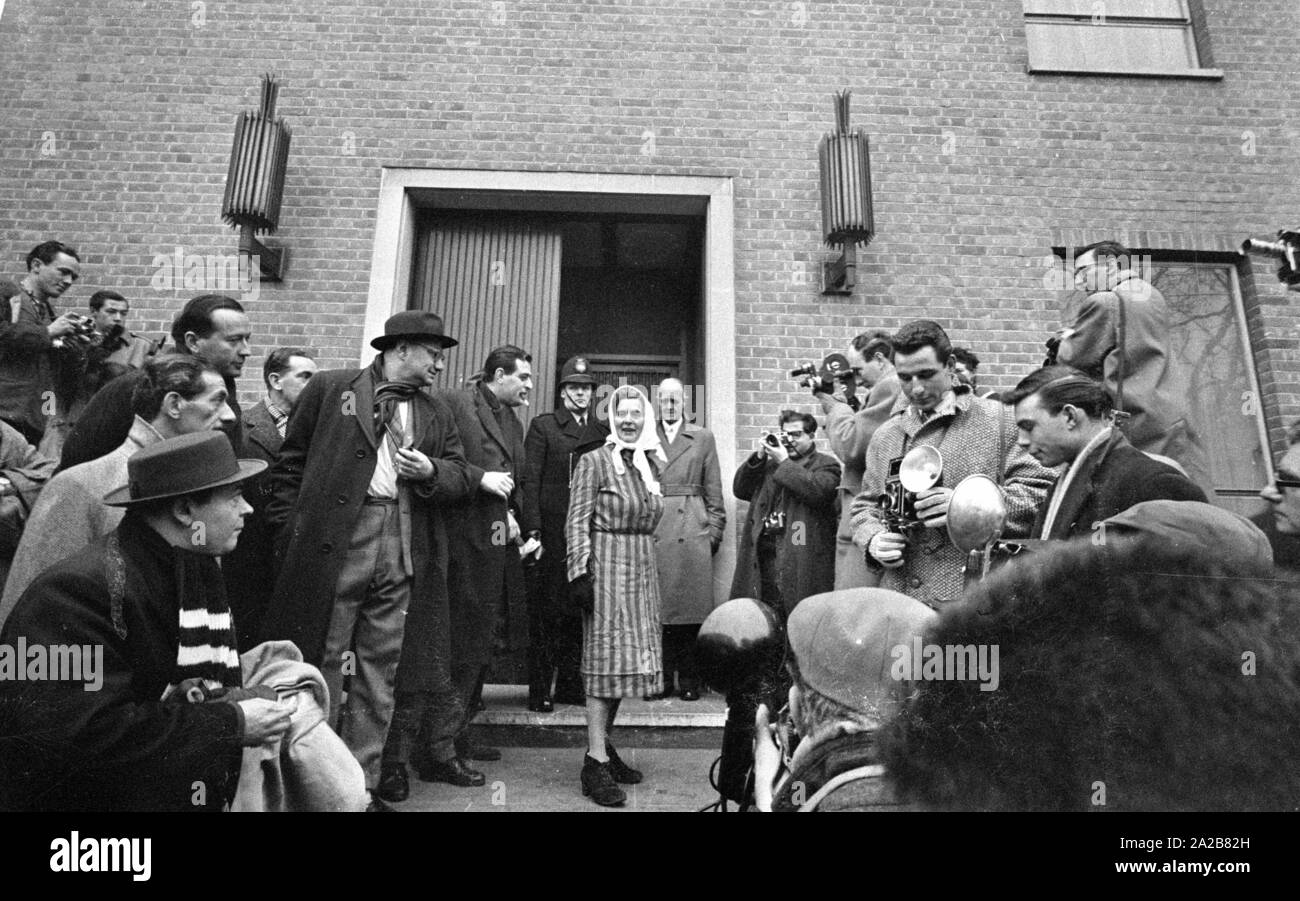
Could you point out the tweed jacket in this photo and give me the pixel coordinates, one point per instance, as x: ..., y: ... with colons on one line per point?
x: 29, y: 362
x: 977, y: 436
x: 71, y: 513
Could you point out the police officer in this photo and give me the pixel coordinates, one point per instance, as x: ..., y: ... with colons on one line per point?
x: 554, y: 443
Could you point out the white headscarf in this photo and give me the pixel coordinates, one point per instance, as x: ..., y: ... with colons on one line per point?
x: 647, y: 441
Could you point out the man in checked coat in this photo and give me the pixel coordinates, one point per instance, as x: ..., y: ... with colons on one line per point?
x: 687, y: 537
x: 974, y: 435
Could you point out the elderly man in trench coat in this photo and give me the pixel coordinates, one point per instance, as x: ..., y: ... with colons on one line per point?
x: 368, y: 466
x: 687, y: 536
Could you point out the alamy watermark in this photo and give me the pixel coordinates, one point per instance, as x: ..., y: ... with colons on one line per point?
x: 946, y: 663
x: 236, y: 274
x: 82, y: 663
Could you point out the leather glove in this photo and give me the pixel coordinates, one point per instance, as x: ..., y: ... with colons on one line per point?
x: 582, y: 592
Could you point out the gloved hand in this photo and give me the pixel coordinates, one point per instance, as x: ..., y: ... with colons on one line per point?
x: 582, y: 592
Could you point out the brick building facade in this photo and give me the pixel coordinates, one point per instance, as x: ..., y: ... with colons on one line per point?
x: 119, y: 118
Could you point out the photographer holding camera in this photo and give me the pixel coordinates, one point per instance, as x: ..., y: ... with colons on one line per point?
x: 787, y: 550
x: 972, y: 435
x: 38, y: 345
x: 849, y: 427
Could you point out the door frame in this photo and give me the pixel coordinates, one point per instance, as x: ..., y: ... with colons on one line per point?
x: 404, y: 191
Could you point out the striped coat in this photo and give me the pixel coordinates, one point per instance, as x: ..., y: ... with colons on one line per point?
x: 610, y: 532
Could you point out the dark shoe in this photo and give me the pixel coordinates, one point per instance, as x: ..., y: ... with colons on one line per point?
x: 452, y: 771
x: 690, y: 694
x: 565, y: 697
x: 394, y: 783
x: 377, y: 806
x: 621, y: 772
x: 541, y: 705
x: 466, y: 749
x: 598, y: 783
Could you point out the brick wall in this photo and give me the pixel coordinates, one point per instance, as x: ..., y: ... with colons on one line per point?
x: 119, y: 118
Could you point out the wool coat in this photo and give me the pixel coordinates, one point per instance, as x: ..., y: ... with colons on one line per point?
x: 118, y: 748
x: 692, y: 525
x: 71, y: 513
x: 1112, y: 478
x: 319, y: 483
x: 250, y: 568
x: 975, y: 436
x: 28, y: 471
x: 551, y: 452
x: 804, y: 490
x: 849, y: 434
x: 1155, y: 386
x: 484, y: 566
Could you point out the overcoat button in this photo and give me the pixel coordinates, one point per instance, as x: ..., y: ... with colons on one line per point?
x: 916, y: 583
x: 326, y: 548
x: 360, y: 454
x: 343, y: 498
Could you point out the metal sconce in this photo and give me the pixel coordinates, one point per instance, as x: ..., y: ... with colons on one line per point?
x: 847, y: 218
x: 255, y: 181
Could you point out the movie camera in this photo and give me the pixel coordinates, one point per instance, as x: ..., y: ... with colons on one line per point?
x: 918, y: 470
x: 1286, y: 248
x: 835, y: 368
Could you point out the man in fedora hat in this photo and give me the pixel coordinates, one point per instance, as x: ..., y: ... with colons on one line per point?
x: 368, y: 464
x: 138, y: 703
x: 550, y: 454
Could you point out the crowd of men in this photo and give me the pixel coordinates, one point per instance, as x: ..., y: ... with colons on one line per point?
x: 385, y: 539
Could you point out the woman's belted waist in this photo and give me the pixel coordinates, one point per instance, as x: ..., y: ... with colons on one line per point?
x: 681, y: 490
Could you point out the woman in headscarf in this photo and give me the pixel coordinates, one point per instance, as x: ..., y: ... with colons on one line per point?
x: 615, y: 504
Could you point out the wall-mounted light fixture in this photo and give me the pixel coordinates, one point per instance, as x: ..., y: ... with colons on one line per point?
x: 847, y: 219
x: 255, y: 182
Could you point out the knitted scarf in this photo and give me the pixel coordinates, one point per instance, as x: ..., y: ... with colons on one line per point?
x: 388, y: 396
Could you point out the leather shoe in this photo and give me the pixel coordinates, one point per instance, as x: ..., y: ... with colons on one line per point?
x: 541, y: 705
x: 598, y: 783
x: 394, y: 783
x: 377, y: 806
x: 690, y: 694
x: 467, y: 749
x: 453, y: 771
x: 621, y: 772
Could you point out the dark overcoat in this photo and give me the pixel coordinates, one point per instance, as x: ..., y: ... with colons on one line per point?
x: 118, y: 747
x: 249, y: 569
x: 318, y: 485
x: 1114, y: 477
x: 551, y: 454
x: 692, y: 525
x: 484, y: 565
x: 806, y: 490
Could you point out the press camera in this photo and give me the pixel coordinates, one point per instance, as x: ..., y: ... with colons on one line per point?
x: 83, y: 333
x: 918, y: 470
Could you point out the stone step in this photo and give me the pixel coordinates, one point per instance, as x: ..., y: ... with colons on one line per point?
x: 507, y: 705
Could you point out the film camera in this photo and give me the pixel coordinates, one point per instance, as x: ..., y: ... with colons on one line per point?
x: 919, y: 469
x: 834, y: 368
x: 779, y: 439
x: 83, y: 333
x: 1286, y: 248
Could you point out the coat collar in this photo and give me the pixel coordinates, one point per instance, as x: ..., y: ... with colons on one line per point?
x: 685, y: 438
x: 1077, y: 483
x: 487, y: 416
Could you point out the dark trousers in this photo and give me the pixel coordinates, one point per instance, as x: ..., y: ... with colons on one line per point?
x: 769, y: 585
x: 679, y: 657
x: 554, y: 642
x: 424, y: 728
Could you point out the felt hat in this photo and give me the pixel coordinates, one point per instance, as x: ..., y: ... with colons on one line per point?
x: 412, y: 325
x: 179, y: 466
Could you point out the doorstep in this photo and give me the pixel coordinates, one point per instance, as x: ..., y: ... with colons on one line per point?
x: 507, y: 705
